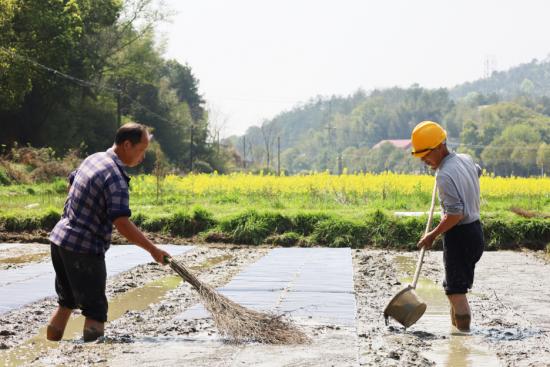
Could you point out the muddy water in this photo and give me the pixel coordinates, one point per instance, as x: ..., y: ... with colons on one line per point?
x: 134, y: 300
x: 18, y: 254
x: 23, y: 259
x: 450, y: 347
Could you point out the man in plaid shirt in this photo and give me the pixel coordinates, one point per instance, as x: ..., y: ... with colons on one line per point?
x: 98, y: 198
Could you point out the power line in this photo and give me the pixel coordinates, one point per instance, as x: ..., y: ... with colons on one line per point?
x: 82, y: 83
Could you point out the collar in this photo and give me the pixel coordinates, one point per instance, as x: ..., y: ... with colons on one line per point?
x: 111, y: 153
x: 446, y: 159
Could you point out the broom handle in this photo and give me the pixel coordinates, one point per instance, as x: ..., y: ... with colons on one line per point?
x: 183, y: 272
x: 423, y: 250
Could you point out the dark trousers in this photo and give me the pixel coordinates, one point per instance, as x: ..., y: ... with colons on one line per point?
x: 80, y: 281
x: 463, y: 246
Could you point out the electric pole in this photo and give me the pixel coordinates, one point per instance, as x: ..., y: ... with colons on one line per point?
x: 191, y: 149
x: 218, y: 143
x: 118, y: 110
x: 278, y: 155
x: 340, y: 165
x: 329, y: 129
x: 244, y: 151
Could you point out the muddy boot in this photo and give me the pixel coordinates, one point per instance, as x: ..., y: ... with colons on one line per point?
x: 463, y: 322
x: 91, y: 334
x: 53, y: 333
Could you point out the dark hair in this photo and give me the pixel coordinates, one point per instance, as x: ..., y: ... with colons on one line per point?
x: 131, y: 131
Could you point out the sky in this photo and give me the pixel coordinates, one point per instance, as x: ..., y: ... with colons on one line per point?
x: 256, y: 59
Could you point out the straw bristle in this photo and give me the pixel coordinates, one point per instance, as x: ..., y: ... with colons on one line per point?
x: 239, y: 323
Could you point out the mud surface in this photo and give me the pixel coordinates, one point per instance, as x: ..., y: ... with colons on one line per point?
x: 510, y: 301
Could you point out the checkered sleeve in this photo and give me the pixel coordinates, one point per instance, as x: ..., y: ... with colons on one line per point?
x: 117, y: 199
x: 71, y: 177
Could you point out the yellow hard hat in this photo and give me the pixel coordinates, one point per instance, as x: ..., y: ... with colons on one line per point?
x: 426, y: 136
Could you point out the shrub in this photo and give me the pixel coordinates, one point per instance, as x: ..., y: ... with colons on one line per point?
x: 50, y: 219
x: 50, y: 170
x: 286, y: 239
x: 252, y: 227
x: 215, y: 235
x: 12, y: 223
x: 4, y: 178
x: 304, y: 223
x: 509, y: 234
x: 335, y: 232
x: 139, y: 219
x: 202, y: 219
x: 202, y: 167
x: 154, y: 224
x: 179, y: 224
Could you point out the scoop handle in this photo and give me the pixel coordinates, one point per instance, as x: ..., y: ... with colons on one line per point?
x: 423, y: 250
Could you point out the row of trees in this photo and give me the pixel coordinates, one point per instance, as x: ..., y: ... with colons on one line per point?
x: 508, y: 137
x: 72, y: 71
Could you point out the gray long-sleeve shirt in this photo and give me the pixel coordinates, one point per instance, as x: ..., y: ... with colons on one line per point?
x: 458, y: 186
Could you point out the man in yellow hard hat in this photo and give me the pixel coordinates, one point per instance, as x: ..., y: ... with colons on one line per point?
x: 457, y: 178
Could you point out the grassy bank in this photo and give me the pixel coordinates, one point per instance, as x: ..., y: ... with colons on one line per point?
x: 319, y: 209
x: 376, y: 228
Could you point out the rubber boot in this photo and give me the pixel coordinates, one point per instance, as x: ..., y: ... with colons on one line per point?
x: 463, y: 322
x: 91, y: 334
x: 53, y: 333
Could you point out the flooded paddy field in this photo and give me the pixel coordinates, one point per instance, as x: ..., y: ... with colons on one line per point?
x: 335, y: 295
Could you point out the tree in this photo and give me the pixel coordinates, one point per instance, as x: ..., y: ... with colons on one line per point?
x: 268, y: 136
x: 543, y: 158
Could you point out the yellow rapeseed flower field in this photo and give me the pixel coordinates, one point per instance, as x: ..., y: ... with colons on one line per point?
x: 356, y: 184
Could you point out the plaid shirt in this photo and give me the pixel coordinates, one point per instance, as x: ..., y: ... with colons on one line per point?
x: 98, y: 195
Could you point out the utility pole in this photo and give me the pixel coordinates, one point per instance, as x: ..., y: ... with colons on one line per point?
x: 278, y: 155
x: 118, y: 110
x: 244, y: 151
x: 329, y: 129
x: 191, y: 152
x: 340, y: 165
x: 218, y: 143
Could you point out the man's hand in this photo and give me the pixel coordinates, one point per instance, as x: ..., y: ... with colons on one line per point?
x: 159, y: 255
x: 447, y: 222
x: 129, y: 230
x: 427, y: 241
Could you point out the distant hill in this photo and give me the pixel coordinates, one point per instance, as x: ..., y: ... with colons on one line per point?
x: 340, y: 131
x: 530, y: 79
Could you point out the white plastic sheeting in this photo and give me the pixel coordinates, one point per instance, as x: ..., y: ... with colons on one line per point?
x: 33, y: 282
x: 313, y: 283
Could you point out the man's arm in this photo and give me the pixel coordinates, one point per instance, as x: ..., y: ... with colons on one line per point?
x: 448, y: 222
x: 129, y: 230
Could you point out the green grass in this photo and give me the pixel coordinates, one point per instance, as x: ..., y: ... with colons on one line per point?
x: 38, y: 198
x: 285, y: 220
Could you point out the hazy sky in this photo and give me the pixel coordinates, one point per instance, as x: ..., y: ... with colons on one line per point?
x: 255, y: 59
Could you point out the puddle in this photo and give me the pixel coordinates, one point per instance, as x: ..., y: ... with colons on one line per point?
x: 211, y: 262
x: 133, y: 300
x: 448, y: 346
x: 27, y: 258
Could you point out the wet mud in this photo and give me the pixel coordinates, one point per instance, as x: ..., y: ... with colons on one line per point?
x: 13, y: 256
x: 509, y: 302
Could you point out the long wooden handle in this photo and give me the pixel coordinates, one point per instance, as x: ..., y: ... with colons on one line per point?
x: 423, y: 250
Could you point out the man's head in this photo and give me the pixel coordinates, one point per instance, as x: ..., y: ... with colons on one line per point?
x: 428, y: 141
x: 131, y: 142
